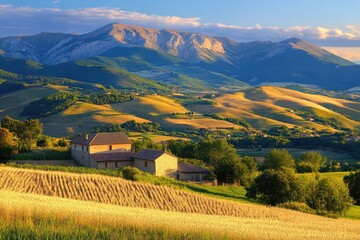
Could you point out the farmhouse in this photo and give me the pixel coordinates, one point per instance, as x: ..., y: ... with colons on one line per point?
x: 115, y: 150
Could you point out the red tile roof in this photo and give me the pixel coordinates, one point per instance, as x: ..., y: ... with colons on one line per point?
x: 102, y: 139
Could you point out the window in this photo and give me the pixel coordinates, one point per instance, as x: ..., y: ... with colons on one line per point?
x: 87, y: 148
x: 82, y: 148
x: 146, y: 164
x: 106, y: 165
x: 110, y: 147
x: 115, y: 164
x: 75, y: 146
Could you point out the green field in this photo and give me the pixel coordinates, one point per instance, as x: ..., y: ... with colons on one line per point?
x: 296, y: 152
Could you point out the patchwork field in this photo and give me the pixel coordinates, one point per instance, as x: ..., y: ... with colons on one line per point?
x: 82, y: 117
x: 32, y: 214
x: 262, y: 107
x: 269, y: 106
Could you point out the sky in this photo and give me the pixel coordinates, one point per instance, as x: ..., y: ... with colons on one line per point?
x: 331, y: 24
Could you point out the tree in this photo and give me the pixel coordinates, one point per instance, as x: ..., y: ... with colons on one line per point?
x: 7, y: 144
x: 310, y: 162
x: 31, y: 131
x: 146, y: 143
x: 274, y: 187
x: 28, y: 131
x: 278, y: 159
x: 330, y: 195
x: 353, y: 182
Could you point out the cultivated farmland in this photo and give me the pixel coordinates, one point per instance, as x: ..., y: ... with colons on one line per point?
x: 21, y: 209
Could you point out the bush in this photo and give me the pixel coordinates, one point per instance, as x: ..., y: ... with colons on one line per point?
x: 353, y: 181
x: 44, y: 141
x: 330, y: 195
x: 131, y: 173
x: 63, y: 143
x: 275, y: 187
x: 297, y: 206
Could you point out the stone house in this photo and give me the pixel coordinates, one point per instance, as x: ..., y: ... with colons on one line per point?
x: 115, y: 150
x: 189, y: 172
x: 84, y: 149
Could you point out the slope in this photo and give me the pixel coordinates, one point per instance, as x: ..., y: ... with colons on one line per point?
x: 267, y: 106
x: 166, y: 110
x: 132, y: 204
x: 82, y: 117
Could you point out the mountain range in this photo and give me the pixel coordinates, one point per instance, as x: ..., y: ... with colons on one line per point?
x: 132, y: 57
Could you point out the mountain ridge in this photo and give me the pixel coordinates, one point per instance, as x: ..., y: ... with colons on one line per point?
x: 161, y: 51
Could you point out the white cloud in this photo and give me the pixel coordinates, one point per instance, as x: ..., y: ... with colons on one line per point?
x: 27, y: 20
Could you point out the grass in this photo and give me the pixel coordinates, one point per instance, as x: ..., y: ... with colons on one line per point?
x: 296, y: 152
x: 32, y: 216
x: 353, y: 213
x: 44, y: 155
x: 12, y: 104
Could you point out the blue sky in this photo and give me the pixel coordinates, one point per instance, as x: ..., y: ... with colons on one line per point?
x: 332, y: 24
x: 283, y: 13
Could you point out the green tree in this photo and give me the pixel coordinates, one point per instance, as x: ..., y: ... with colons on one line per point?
x: 146, y: 143
x: 353, y: 182
x: 274, y: 187
x: 310, y: 162
x: 31, y: 131
x: 7, y: 144
x: 330, y: 195
x: 278, y: 159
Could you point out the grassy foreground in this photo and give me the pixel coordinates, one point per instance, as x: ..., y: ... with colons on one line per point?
x: 30, y: 216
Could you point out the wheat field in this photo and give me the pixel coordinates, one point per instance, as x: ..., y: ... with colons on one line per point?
x: 24, y: 210
x: 111, y: 190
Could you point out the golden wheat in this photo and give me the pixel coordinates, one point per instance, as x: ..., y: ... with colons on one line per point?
x: 288, y: 224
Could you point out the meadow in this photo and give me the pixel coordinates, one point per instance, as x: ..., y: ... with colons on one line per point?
x: 296, y: 152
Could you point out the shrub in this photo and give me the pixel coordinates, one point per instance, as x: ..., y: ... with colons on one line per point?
x: 297, y: 206
x: 353, y: 181
x: 131, y: 173
x: 275, y: 187
x: 63, y: 143
x: 330, y: 195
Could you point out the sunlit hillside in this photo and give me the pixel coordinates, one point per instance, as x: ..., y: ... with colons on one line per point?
x: 269, y: 106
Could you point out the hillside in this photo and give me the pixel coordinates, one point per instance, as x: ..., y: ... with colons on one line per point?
x: 262, y: 107
x: 269, y: 106
x: 25, y: 189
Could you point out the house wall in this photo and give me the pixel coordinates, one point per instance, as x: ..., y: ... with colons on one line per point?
x: 166, y: 165
x: 102, y: 148
x: 140, y: 164
x: 80, y: 154
x: 112, y: 165
x: 193, y: 177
